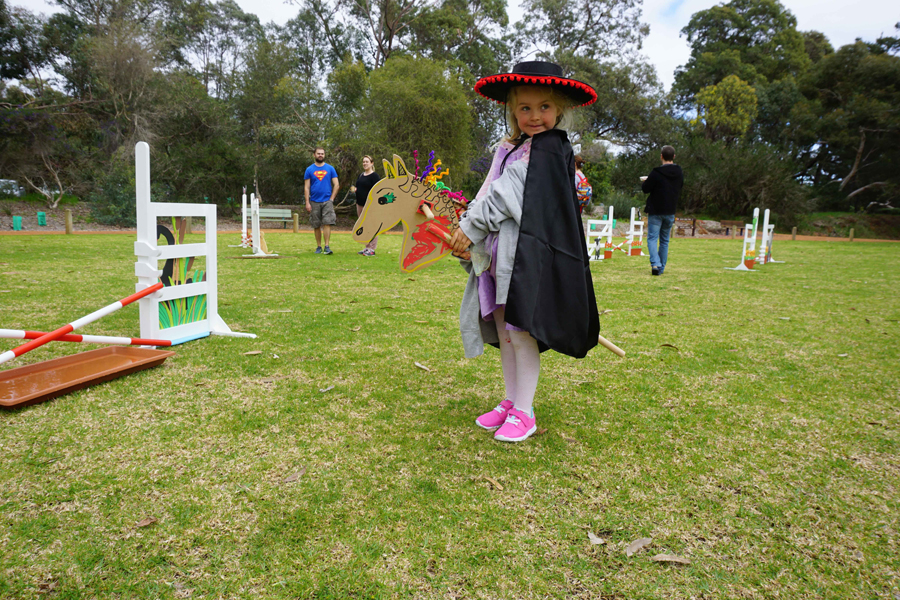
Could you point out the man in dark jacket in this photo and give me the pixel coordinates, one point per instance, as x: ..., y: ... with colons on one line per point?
x: 664, y: 186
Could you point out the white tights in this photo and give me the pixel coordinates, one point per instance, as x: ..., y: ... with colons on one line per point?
x: 521, y: 363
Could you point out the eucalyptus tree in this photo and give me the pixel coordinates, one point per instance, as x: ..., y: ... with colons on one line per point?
x: 594, y: 29
x: 849, y: 121
x: 369, y: 30
x: 468, y: 34
x: 216, y: 44
x: 756, y: 40
x: 23, y: 53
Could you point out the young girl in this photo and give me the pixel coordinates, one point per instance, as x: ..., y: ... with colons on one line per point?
x: 529, y: 272
x: 583, y: 190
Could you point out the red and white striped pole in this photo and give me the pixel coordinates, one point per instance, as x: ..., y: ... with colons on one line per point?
x: 18, y: 334
x: 54, y: 335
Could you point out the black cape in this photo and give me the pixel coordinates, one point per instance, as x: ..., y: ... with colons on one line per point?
x: 551, y: 293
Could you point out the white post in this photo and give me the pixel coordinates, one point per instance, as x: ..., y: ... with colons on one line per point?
x: 764, y: 239
x: 254, y: 218
x: 752, y: 252
x: 145, y: 248
x: 608, y: 247
x: 258, y: 251
x: 243, y: 243
x: 244, y: 218
x: 768, y: 233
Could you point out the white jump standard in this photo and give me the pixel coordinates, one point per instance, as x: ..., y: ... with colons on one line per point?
x: 635, y: 239
x: 148, y: 254
x: 597, y: 231
x: 260, y: 250
x: 748, y: 251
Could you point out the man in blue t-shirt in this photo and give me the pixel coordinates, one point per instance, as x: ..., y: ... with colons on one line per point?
x: 321, y: 186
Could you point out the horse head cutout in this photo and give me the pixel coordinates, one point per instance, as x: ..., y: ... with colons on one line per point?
x: 397, y: 198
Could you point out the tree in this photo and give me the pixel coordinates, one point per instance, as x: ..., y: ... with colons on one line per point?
x: 23, y: 53
x: 45, y: 143
x: 773, y: 124
x: 382, y: 23
x: 725, y: 110
x: 372, y: 28
x: 631, y: 108
x: 197, y: 146
x: 98, y: 14
x: 722, y: 181
x: 414, y: 104
x: 757, y: 40
x: 468, y: 33
x: 320, y: 38
x: 887, y: 45
x: 591, y: 28
x: 123, y: 63
x: 849, y: 121
x: 817, y: 45
x: 223, y: 33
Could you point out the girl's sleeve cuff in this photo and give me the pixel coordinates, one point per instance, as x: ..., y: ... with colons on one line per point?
x: 473, y: 233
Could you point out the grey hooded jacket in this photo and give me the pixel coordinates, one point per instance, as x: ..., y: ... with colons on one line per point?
x: 500, y: 210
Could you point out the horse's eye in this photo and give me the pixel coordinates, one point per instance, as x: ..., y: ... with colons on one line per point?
x: 382, y: 200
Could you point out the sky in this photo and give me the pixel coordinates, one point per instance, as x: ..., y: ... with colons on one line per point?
x: 842, y: 21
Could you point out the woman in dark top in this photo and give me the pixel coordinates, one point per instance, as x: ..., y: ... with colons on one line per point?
x: 364, y: 183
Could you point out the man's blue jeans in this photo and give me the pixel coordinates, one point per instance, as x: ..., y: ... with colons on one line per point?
x: 658, y: 228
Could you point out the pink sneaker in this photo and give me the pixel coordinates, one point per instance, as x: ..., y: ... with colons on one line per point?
x: 517, y: 428
x: 494, y: 419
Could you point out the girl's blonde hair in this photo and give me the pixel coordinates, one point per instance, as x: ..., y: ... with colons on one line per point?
x: 563, y: 104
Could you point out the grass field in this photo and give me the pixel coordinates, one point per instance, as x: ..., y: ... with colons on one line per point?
x: 752, y: 429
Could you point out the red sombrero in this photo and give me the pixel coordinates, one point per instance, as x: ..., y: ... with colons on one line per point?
x: 536, y: 72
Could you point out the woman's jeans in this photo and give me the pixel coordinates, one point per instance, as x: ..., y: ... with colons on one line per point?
x: 658, y: 228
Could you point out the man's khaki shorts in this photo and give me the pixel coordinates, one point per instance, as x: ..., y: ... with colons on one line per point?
x: 322, y: 213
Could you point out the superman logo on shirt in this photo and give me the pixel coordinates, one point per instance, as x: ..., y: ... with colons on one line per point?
x: 320, y: 175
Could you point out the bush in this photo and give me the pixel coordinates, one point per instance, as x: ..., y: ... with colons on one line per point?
x: 112, y: 200
x: 417, y: 104
x: 724, y: 181
x: 623, y: 202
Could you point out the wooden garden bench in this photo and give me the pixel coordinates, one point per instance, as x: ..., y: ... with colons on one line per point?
x: 734, y: 226
x: 682, y: 224
x: 276, y: 214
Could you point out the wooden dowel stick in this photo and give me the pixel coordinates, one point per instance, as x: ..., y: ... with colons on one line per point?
x: 609, y: 345
x: 431, y: 228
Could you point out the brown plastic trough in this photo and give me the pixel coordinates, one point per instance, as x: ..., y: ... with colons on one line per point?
x: 45, y: 380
